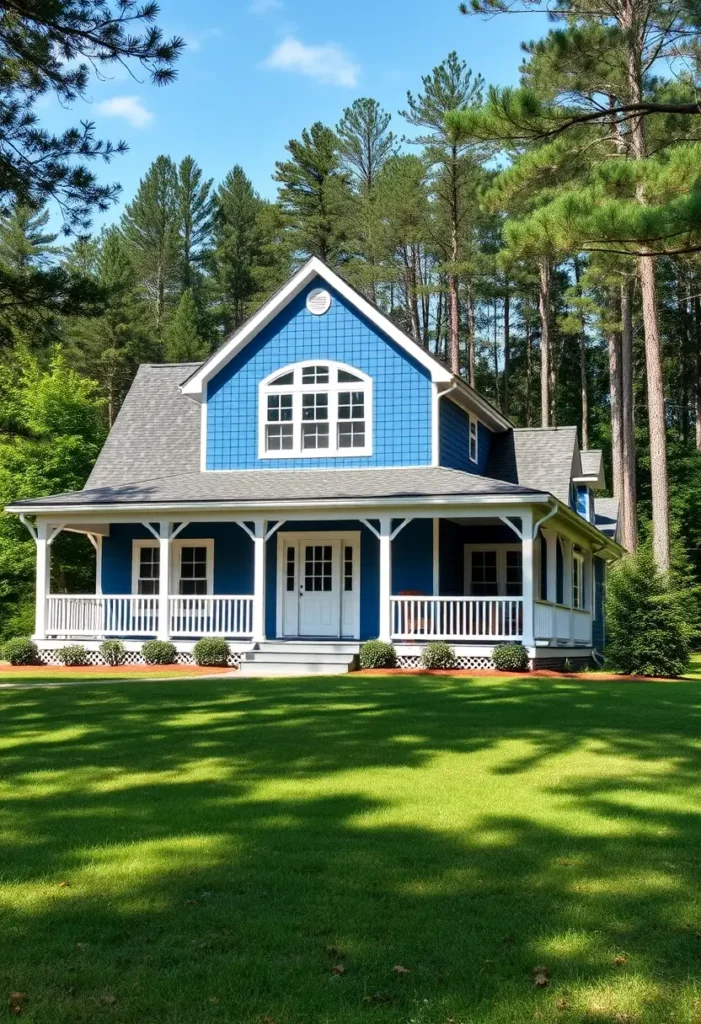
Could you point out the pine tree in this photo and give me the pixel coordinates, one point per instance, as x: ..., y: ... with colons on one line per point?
x: 24, y: 244
x: 450, y: 87
x: 315, y: 195
x: 150, y: 225
x: 182, y: 341
x: 196, y: 208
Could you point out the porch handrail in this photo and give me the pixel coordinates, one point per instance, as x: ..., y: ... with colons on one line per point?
x: 229, y: 615
x: 456, y: 618
x: 102, y: 614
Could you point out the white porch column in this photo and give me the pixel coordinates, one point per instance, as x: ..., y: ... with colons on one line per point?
x: 528, y: 577
x: 567, y: 595
x: 260, y: 527
x: 164, y: 580
x: 43, y: 579
x: 436, y: 557
x: 385, y: 538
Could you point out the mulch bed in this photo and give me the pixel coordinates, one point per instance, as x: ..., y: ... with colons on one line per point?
x: 110, y: 670
x: 541, y: 673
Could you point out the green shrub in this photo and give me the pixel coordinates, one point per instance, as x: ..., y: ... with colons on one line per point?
x: 438, y: 655
x: 510, y: 658
x: 377, y: 654
x: 211, y: 650
x: 113, y: 652
x: 20, y: 651
x: 158, y: 652
x: 73, y: 655
x: 649, y: 623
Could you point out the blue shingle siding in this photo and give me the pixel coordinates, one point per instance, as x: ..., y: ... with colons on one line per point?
x: 116, y: 556
x: 454, y: 429
x: 401, y: 389
x: 412, y: 558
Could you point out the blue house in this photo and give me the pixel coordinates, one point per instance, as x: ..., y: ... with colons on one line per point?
x: 321, y: 480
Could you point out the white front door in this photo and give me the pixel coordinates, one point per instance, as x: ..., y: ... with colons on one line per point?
x: 318, y: 584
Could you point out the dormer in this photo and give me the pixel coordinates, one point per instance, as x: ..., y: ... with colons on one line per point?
x: 590, y: 479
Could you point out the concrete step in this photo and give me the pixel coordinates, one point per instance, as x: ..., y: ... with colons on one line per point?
x: 310, y: 646
x: 262, y: 667
x: 293, y: 657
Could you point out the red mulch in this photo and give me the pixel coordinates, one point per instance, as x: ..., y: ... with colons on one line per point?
x: 541, y: 673
x: 113, y: 670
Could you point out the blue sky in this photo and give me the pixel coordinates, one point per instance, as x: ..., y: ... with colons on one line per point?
x: 256, y: 72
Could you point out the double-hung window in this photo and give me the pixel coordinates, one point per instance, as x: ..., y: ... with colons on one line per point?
x: 191, y: 567
x: 315, y: 409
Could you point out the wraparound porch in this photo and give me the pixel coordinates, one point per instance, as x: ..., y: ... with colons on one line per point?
x: 406, y: 579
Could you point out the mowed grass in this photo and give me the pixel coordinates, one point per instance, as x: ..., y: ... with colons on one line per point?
x: 270, y: 850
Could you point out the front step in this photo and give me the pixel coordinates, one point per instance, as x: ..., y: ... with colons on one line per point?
x: 298, y: 658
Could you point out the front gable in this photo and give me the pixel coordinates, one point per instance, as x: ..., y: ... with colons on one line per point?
x: 400, y: 393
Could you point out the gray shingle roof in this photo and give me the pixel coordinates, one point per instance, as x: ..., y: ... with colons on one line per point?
x: 545, y: 458
x: 261, y: 485
x: 591, y: 461
x: 157, y: 430
x: 606, y: 515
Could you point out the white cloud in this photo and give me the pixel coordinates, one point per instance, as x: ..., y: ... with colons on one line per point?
x: 327, y: 64
x: 129, y: 107
x: 264, y: 6
x: 194, y: 42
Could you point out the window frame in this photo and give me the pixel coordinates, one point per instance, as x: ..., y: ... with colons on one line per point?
x: 176, y: 547
x: 501, y: 550
x: 334, y: 388
x: 473, y: 434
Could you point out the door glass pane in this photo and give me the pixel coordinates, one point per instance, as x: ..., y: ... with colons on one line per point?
x: 318, y: 568
x: 348, y: 568
x: 290, y: 569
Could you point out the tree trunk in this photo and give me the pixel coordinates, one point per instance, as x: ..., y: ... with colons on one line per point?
x: 529, y: 374
x: 453, y: 277
x: 507, y: 353
x: 454, y: 324
x: 656, y: 413
x: 629, y: 496
x: 632, y: 26
x: 583, y: 385
x: 615, y: 389
x: 545, y: 370
x: 471, y: 372
x: 496, y: 356
x: 697, y: 377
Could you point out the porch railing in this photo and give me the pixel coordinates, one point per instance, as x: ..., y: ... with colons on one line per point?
x: 91, y: 615
x: 214, y: 616
x: 556, y: 622
x: 456, y: 618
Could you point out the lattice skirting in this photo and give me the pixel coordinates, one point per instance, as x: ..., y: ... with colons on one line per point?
x: 463, y: 661
x: 50, y: 657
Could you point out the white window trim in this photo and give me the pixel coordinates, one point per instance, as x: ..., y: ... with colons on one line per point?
x: 473, y: 424
x: 176, y: 547
x: 501, y: 550
x: 297, y: 389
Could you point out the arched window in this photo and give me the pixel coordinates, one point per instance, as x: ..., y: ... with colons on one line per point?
x: 314, y: 410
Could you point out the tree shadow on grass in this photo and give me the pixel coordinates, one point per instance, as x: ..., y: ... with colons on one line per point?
x: 212, y: 851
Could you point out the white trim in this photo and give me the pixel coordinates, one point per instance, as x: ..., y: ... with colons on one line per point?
x: 175, y: 561
x: 579, y: 602
x: 203, y: 434
x: 194, y: 386
x: 296, y: 390
x: 473, y: 422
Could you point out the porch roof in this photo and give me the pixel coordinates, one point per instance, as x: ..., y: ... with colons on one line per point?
x: 277, y: 485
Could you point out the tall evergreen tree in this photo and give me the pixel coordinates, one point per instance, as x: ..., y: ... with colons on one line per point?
x: 315, y: 195
x: 183, y: 342
x: 150, y: 224
x: 196, y: 209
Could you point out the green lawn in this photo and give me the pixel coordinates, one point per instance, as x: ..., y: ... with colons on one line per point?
x: 210, y: 851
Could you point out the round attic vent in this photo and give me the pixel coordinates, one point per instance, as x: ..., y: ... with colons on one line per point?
x: 318, y: 301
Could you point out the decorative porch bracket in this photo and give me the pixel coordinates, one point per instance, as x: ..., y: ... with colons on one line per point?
x: 385, y: 535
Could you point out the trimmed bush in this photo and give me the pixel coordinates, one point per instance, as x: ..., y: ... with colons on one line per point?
x: 211, y: 650
x: 650, y: 617
x: 113, y: 652
x: 438, y: 655
x: 377, y: 654
x: 158, y: 652
x: 20, y: 651
x: 510, y: 658
x: 73, y: 655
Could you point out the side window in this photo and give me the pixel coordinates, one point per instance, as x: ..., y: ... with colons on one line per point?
x: 147, y: 570
x: 484, y: 581
x: 474, y: 454
x: 193, y: 570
